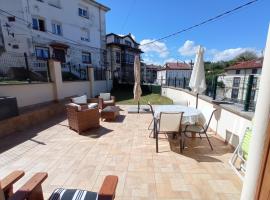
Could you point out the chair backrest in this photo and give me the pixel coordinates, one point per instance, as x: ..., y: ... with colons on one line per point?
x: 181, y: 102
x: 2, y: 196
x: 105, y: 96
x: 244, y: 147
x: 151, y: 108
x: 207, y: 115
x: 170, y: 122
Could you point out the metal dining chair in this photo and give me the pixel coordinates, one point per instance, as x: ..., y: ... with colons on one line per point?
x: 152, y: 121
x: 201, y: 126
x: 169, y: 123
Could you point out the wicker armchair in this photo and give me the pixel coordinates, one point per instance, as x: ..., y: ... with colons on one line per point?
x: 103, y: 103
x: 82, y: 118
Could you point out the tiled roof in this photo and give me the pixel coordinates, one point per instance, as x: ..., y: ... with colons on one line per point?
x: 252, y: 64
x: 176, y: 66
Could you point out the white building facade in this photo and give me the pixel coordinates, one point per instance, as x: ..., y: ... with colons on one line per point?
x: 235, y: 81
x: 172, y: 71
x: 71, y: 31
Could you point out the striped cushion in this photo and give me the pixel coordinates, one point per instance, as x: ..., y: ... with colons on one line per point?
x: 73, y: 194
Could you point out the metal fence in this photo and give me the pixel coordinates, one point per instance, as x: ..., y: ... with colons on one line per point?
x: 99, y: 74
x: 22, y: 68
x: 240, y: 90
x: 74, y: 72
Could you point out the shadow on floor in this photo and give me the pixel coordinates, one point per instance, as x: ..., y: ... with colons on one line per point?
x: 14, y: 139
x: 200, y: 150
x: 97, y: 132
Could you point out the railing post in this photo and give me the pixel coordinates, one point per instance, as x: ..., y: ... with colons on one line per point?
x: 27, y: 67
x: 214, y: 90
x: 169, y: 81
x: 174, y: 81
x: 80, y: 70
x: 184, y: 83
x: 248, y: 92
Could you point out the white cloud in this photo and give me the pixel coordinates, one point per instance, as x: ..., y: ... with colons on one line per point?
x: 157, y: 47
x: 188, y: 49
x: 229, y: 54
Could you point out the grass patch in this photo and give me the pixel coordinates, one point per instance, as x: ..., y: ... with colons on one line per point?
x: 124, y: 96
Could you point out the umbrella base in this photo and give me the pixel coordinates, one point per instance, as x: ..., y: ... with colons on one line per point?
x: 143, y: 109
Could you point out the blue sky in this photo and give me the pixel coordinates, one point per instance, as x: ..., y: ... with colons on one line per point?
x: 222, y: 39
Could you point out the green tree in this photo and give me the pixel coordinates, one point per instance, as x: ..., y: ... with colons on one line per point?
x: 245, y: 56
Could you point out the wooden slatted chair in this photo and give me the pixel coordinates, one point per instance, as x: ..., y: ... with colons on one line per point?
x: 32, y: 189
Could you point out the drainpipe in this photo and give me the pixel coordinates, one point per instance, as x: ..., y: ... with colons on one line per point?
x: 261, y: 118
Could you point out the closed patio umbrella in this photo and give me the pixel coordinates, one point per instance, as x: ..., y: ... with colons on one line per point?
x: 137, y: 81
x: 197, y: 79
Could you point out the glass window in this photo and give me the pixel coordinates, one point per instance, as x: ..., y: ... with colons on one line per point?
x: 38, y: 24
x: 128, y: 43
x: 83, y: 12
x: 86, y: 57
x: 252, y: 95
x: 254, y: 71
x: 117, y: 55
x: 236, y: 81
x: 85, y: 35
x: 42, y: 53
x: 234, y: 93
x: 56, y: 28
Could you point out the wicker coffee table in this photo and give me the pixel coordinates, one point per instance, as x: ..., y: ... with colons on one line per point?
x: 110, y: 113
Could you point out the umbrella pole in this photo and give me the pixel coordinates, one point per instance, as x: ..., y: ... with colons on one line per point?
x: 138, y: 106
x: 197, y: 97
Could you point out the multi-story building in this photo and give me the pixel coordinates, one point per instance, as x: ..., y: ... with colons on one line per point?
x: 235, y: 80
x: 149, y: 72
x: 172, y: 71
x: 73, y: 32
x: 121, y: 51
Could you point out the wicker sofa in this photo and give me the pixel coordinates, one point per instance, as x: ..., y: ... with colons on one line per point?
x: 83, y: 116
x: 105, y: 99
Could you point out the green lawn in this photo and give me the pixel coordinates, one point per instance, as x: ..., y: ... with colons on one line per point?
x: 124, y: 96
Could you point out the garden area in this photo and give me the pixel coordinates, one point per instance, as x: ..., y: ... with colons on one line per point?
x: 150, y: 93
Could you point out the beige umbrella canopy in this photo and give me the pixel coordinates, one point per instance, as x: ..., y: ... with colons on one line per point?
x: 137, y: 80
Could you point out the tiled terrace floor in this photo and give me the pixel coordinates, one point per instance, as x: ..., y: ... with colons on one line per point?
x: 122, y: 148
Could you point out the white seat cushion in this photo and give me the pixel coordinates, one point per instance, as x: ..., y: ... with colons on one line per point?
x: 92, y: 105
x: 75, y: 105
x: 79, y: 100
x: 105, y: 96
x: 108, y: 101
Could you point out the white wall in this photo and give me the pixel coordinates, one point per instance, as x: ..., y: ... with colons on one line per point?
x: 75, y: 88
x: 29, y: 94
x: 102, y: 86
x: 228, y: 125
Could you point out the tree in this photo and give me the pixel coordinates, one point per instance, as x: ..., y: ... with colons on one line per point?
x: 245, y: 56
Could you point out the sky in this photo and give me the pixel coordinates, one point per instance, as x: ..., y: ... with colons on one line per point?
x: 222, y: 39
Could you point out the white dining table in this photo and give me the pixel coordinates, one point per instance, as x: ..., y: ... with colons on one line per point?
x: 190, y: 115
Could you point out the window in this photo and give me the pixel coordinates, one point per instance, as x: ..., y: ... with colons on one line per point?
x: 86, y: 57
x: 117, y: 55
x: 117, y: 40
x: 237, y: 71
x: 85, y: 35
x: 128, y: 43
x: 252, y: 95
x: 83, y: 12
x: 255, y: 80
x: 56, y: 28
x: 54, y: 3
x: 254, y: 71
x: 236, y: 81
x: 42, y: 53
x: 234, y: 93
x: 38, y: 24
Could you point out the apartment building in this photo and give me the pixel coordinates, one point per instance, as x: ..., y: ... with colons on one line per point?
x: 235, y: 80
x: 121, y: 50
x: 72, y: 32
